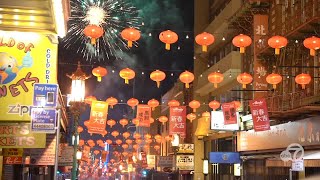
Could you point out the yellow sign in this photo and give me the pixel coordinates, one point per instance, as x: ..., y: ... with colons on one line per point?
x: 14, y: 135
x: 25, y: 59
x: 12, y: 152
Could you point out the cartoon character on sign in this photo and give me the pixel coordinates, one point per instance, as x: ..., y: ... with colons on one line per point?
x: 9, y: 67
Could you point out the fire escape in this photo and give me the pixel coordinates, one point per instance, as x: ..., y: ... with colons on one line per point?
x: 296, y: 20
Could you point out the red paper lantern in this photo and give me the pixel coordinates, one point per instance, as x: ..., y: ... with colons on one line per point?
x: 125, y: 146
x: 157, y: 136
x: 173, y: 103
x: 99, y: 72
x: 130, y: 34
x: 111, y: 122
x: 118, y: 141
x: 123, y: 122
x: 127, y: 74
x: 126, y: 135
x: 129, y: 141
x: 244, y: 79
x: 137, y: 135
x: 157, y: 76
x: 115, y: 133
x: 138, y: 141
x: 151, y: 120
x: 274, y: 79
x: 237, y: 104
x: 214, y: 105
x: 147, y: 136
x: 109, y: 141
x: 89, y: 99
x: 241, y: 41
x: 186, y: 77
x: 135, y: 121
x: 133, y: 102
x: 156, y: 147
x: 93, y: 32
x: 303, y: 79
x: 312, y: 43
x: 191, y: 117
x: 277, y: 42
x: 163, y: 119
x: 80, y: 129
x: 204, y: 39
x: 206, y: 114
x: 215, y: 78
x: 112, y: 101
x: 168, y: 37
x: 153, y: 104
x: 194, y: 105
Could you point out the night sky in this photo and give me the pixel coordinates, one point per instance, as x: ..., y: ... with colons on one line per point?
x: 157, y: 16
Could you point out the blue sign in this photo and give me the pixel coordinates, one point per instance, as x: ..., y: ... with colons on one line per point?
x: 45, y: 95
x: 43, y: 120
x: 224, y: 157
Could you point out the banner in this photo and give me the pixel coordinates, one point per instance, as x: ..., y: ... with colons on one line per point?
x: 185, y: 162
x: 217, y: 122
x: 14, y: 135
x: 229, y: 113
x: 177, y: 123
x: 260, y: 26
x: 144, y: 115
x: 98, y: 117
x: 260, y: 115
x: 25, y: 58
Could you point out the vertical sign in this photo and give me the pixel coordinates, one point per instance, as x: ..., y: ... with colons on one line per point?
x: 43, y: 120
x: 229, y: 113
x: 177, y: 123
x: 144, y: 114
x: 259, y: 113
x: 144, y: 162
x: 98, y: 117
x: 260, y: 26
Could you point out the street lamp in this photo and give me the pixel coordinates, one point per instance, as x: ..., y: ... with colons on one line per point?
x: 76, y: 107
x: 175, y: 147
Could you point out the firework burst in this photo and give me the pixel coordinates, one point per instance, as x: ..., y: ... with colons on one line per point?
x: 112, y: 15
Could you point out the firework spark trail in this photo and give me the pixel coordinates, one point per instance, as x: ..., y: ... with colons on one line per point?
x: 117, y: 16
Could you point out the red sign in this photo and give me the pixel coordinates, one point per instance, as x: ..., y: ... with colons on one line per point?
x: 177, y: 123
x: 229, y: 113
x: 12, y: 160
x: 260, y: 115
x: 98, y: 117
x: 144, y: 115
x: 144, y: 162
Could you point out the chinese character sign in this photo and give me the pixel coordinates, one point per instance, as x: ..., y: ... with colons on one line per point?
x: 98, y: 116
x: 259, y: 113
x: 144, y: 115
x: 229, y: 113
x: 177, y: 123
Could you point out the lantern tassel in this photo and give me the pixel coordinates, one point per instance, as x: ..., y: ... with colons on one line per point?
x: 167, y: 46
x: 312, y: 52
x: 187, y: 85
x: 194, y: 110
x: 99, y: 78
x: 111, y: 107
x: 241, y: 50
x: 129, y: 44
x: 243, y: 86
x: 204, y: 48
x: 303, y: 86
x: 93, y: 41
x: 274, y: 86
x: 215, y: 85
x: 153, y: 108
x: 277, y: 51
x: 126, y: 81
x: 158, y: 84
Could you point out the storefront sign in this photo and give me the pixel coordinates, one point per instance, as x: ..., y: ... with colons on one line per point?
x: 14, y: 135
x: 66, y: 155
x: 224, y: 157
x: 12, y: 152
x: 44, y: 156
x: 260, y: 29
x: 165, y: 161
x: 151, y: 161
x: 144, y: 161
x: 45, y: 95
x: 177, y: 123
x: 260, y: 115
x: 12, y: 160
x: 217, y: 122
x: 143, y: 114
x: 229, y: 113
x: 98, y: 117
x: 43, y: 120
x: 186, y: 149
x: 303, y: 132
x: 25, y: 59
x: 185, y: 162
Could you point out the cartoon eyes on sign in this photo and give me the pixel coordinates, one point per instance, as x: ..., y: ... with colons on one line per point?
x: 9, y: 67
